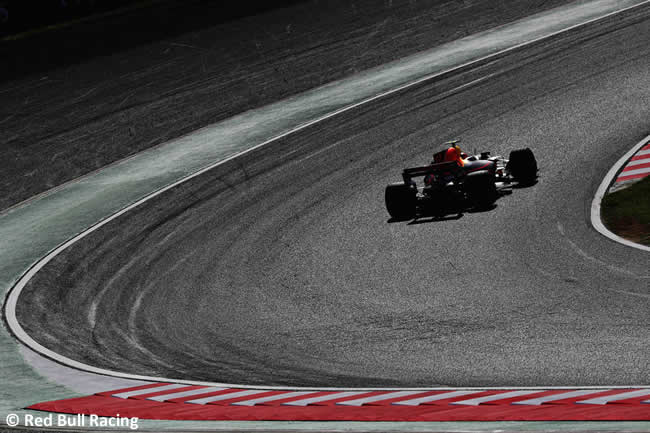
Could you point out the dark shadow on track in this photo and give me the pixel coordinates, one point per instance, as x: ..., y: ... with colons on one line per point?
x: 435, y: 218
x: 68, y: 43
x: 525, y: 185
x: 453, y: 213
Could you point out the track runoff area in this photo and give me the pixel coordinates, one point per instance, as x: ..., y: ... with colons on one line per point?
x: 196, y: 402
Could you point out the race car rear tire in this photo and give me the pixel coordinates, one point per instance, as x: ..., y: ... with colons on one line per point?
x: 401, y: 200
x: 481, y: 189
x: 522, y: 165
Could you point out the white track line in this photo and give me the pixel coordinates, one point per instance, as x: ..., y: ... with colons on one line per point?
x: 602, y: 190
x: 478, y: 400
x: 430, y: 398
x: 633, y: 172
x: 643, y: 153
x: 622, y: 396
x: 638, y: 162
x: 149, y: 390
x: 227, y: 396
x: 180, y: 394
x: 375, y: 398
x: 541, y: 400
x: 282, y: 396
x: 14, y: 293
x: 322, y: 398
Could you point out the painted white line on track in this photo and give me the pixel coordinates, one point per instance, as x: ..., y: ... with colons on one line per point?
x: 323, y: 398
x: 282, y: 396
x: 561, y: 396
x: 634, y: 172
x: 180, y: 394
x: 643, y: 153
x: 478, y: 400
x: 12, y: 298
x: 376, y: 398
x: 228, y: 396
x: 149, y: 390
x: 602, y: 190
x: 616, y: 397
x: 437, y: 397
x: 645, y: 160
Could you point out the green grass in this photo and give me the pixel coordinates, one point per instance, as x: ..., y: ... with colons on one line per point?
x: 627, y: 212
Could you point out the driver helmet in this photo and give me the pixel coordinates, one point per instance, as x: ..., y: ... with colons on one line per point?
x: 454, y: 153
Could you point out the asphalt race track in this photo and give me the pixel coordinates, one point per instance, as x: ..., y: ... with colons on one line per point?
x: 81, y: 117
x: 281, y: 267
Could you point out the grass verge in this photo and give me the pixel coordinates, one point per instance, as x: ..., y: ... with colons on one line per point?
x: 627, y: 212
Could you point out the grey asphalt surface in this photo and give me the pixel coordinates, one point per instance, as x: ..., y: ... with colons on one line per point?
x: 281, y: 268
x: 66, y: 122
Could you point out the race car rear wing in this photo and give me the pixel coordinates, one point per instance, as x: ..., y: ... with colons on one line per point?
x: 450, y: 167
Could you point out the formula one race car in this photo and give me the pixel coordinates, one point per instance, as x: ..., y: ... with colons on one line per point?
x: 453, y: 186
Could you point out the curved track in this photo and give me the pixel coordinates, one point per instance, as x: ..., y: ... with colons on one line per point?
x: 281, y: 267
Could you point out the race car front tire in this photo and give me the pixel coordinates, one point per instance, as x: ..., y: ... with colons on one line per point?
x: 522, y: 165
x: 401, y: 200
